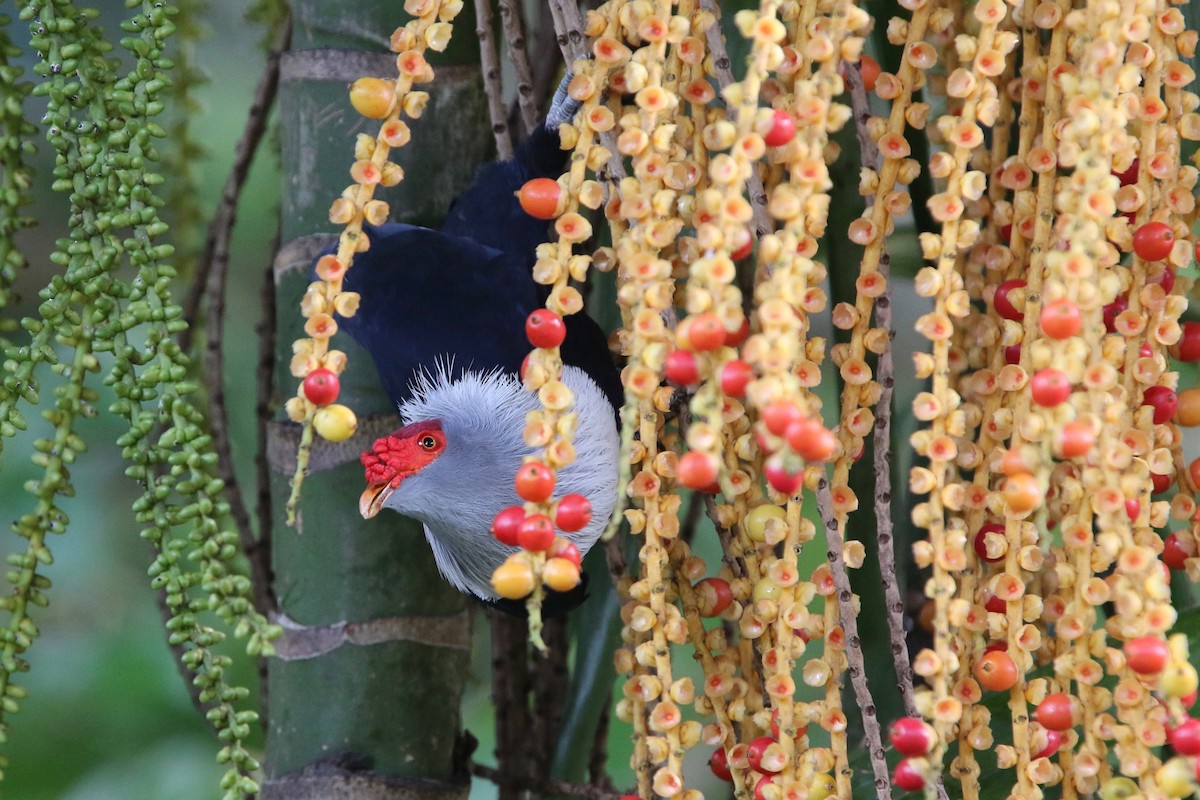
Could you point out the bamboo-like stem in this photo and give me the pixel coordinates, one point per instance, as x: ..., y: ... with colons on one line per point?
x: 547, y: 786
x: 492, y: 85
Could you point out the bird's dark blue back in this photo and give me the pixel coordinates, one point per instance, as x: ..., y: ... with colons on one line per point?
x: 428, y: 297
x: 465, y: 291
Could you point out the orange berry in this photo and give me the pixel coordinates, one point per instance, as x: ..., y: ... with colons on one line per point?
x: 513, y: 579
x: 372, y: 97
x: 1187, y: 413
x: 560, y: 574
x: 1022, y: 492
x: 996, y: 671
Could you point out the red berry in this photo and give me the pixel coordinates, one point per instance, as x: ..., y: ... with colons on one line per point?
x: 995, y: 605
x: 539, y: 197
x: 812, y: 440
x: 870, y: 71
x: 1061, y: 319
x: 735, y: 376
x: 759, y: 757
x: 1056, y: 713
x: 912, y: 736
x: 981, y: 541
x: 908, y: 777
x: 1130, y: 175
x: 697, y: 470
x: 1189, y: 343
x: 1133, y: 507
x: 760, y: 787
x: 718, y: 762
x: 704, y: 332
x: 681, y: 368
x: 1167, y: 280
x: 321, y: 387
x: 564, y: 548
x: 1114, y: 310
x: 1185, y: 737
x: 1147, y: 655
x: 536, y: 533
x: 735, y: 338
x: 1049, y: 387
x: 1003, y: 305
x: 1012, y: 354
x: 545, y: 329
x: 1175, y: 553
x: 534, y: 482
x: 742, y: 245
x: 1153, y: 241
x: 1053, y: 742
x: 1160, y: 482
x: 1164, y: 400
x: 780, y: 479
x: 996, y: 647
x: 507, y: 525
x: 779, y: 415
x: 714, y: 595
x: 783, y: 129
x: 573, y: 514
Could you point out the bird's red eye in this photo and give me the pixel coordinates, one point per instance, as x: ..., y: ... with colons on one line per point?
x: 427, y: 443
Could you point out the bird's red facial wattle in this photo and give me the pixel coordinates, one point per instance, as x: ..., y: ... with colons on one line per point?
x: 395, y: 457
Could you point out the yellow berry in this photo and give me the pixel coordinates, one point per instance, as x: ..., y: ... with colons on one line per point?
x: 1118, y: 788
x: 756, y: 520
x: 513, y: 579
x: 822, y: 787
x: 372, y: 97
x: 335, y: 423
x: 1174, y: 778
x: 1178, y: 679
x: 560, y: 574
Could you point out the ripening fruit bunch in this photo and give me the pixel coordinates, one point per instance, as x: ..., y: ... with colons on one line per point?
x: 1054, y: 487
x: 387, y: 100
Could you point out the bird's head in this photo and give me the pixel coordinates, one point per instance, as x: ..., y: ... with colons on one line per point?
x: 396, y: 457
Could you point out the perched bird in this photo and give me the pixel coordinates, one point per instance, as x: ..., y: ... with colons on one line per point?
x: 443, y: 317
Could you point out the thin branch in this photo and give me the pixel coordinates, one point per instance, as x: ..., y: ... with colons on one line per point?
x: 548, y: 786
x: 721, y: 65
x: 857, y: 669
x: 247, y: 147
x: 209, y: 284
x: 545, y: 65
x: 511, y: 17
x: 550, y: 682
x: 510, y: 696
x: 215, y: 261
x: 491, y: 79
x: 885, y: 374
x: 691, y: 517
x: 260, y: 550
x: 573, y: 42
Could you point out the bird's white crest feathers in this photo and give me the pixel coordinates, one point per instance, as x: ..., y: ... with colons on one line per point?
x: 458, y: 494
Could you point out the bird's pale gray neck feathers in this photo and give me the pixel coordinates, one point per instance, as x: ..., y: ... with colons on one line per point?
x: 457, y: 495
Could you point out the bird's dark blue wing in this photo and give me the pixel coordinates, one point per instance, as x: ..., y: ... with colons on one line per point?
x: 428, y: 297
x: 489, y: 211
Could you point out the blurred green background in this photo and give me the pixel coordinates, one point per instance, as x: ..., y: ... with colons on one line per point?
x: 108, y: 714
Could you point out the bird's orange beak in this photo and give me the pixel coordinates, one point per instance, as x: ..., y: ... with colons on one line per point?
x: 372, y: 499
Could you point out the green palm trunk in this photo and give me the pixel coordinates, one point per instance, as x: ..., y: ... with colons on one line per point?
x: 364, y: 698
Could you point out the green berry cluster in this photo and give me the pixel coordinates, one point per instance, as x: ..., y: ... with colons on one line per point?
x: 113, y: 297
x: 14, y: 174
